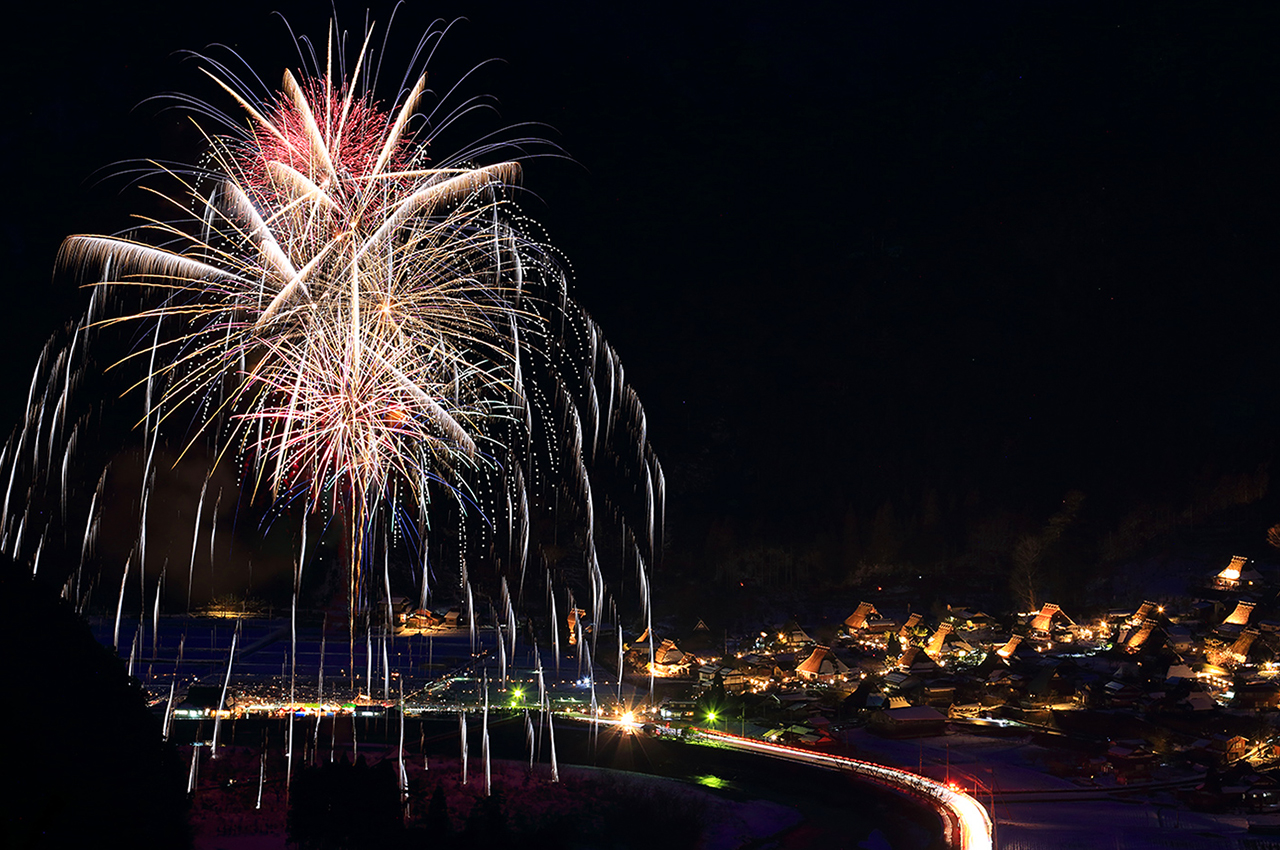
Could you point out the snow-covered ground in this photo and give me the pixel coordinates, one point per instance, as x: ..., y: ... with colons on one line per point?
x: 991, y: 768
x: 225, y: 818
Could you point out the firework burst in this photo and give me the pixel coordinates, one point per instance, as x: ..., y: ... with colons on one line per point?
x: 365, y: 331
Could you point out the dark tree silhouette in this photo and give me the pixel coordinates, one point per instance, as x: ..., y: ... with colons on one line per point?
x: 87, y: 758
x: 437, y: 824
x: 345, y: 805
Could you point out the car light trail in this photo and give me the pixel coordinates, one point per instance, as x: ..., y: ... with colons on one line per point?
x: 968, y: 819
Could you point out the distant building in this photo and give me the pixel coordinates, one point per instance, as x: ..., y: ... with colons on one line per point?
x: 735, y: 681
x: 792, y: 635
x: 934, y: 646
x: 1145, y: 610
x: 670, y: 661
x: 1240, y: 616
x: 1134, y: 639
x: 1010, y: 646
x: 912, y: 722
x: 1044, y: 619
x: 858, y: 619
x: 1237, y: 575
x: 1257, y: 695
x: 822, y: 665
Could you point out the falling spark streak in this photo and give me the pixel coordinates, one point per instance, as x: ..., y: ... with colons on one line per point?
x: 13, y: 471
x: 288, y: 762
x: 386, y: 669
x: 620, y: 646
x: 511, y: 618
x: 35, y: 561
x: 115, y: 633
x: 471, y: 617
x: 155, y: 613
x: 484, y: 737
x: 551, y: 729
x: 293, y: 644
x: 66, y: 461
x: 17, y: 535
x: 426, y: 571
x: 222, y: 700
x: 195, y: 541
x: 320, y: 672
x: 151, y: 372
x: 133, y: 651
x: 191, y: 777
x: 315, y: 735
x: 542, y: 682
x: 404, y: 777
x: 262, y: 778
x: 555, y: 625
x: 597, y: 600
x: 177, y: 664
x: 168, y: 708
x: 213, y: 526
x: 4, y: 455
x: 528, y: 736
x: 502, y: 658
x: 462, y: 732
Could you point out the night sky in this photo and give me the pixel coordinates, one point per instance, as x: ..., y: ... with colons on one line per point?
x: 942, y: 257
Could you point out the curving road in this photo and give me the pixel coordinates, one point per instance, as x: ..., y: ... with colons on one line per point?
x: 968, y: 821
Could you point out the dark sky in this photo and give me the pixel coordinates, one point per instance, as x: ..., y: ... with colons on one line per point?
x: 847, y: 256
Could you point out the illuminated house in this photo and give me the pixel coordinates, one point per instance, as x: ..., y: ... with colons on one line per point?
x: 669, y: 660
x: 909, y: 626
x: 1044, y: 619
x: 1240, y: 616
x: 734, y: 681
x: 1135, y: 638
x: 914, y: 660
x: 912, y: 721
x: 1256, y: 695
x: 1009, y: 648
x: 792, y: 635
x: 939, y: 637
x: 858, y: 619
x: 398, y: 611
x: 1236, y: 575
x: 966, y: 620
x: 422, y: 619
x: 1237, y: 653
x: 1145, y: 610
x: 821, y: 665
x: 1240, y: 649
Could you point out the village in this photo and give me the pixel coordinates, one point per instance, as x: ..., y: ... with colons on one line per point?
x: 1179, y: 699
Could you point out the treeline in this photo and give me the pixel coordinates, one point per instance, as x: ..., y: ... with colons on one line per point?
x: 1021, y: 555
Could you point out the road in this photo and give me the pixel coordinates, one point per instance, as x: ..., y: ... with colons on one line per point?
x: 969, y: 821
